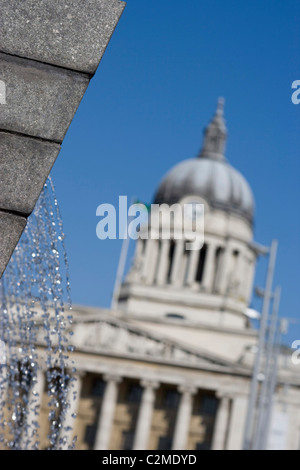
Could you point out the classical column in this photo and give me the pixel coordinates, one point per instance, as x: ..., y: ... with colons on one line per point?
x: 139, y: 249
x: 146, y: 258
x: 193, y: 261
x: 73, y: 397
x: 249, y: 279
x: 33, y: 408
x: 221, y: 423
x: 163, y: 262
x: 152, y: 262
x: 177, y: 263
x: 244, y: 275
x: 225, y: 267
x: 151, y: 253
x: 209, y: 266
x: 237, y: 422
x: 106, y: 416
x: 136, y: 269
x: 144, y: 420
x: 238, y: 275
x: 183, y: 418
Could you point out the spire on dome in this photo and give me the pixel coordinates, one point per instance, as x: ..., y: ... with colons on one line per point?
x: 215, y: 135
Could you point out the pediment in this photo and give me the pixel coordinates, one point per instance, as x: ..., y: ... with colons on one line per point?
x: 111, y: 336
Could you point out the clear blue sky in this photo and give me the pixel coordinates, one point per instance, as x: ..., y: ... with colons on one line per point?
x: 145, y: 110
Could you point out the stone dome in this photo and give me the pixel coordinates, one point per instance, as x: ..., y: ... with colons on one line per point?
x: 209, y: 176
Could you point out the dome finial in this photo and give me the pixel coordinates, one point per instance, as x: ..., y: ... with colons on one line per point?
x: 215, y: 135
x: 220, y: 107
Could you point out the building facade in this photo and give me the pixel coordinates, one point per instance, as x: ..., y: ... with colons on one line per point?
x: 170, y: 367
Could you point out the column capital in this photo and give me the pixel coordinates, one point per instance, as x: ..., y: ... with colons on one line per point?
x: 187, y: 389
x: 112, y: 378
x: 146, y: 383
x: 220, y: 394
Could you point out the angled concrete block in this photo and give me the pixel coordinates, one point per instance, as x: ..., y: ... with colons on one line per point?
x: 68, y: 33
x: 49, y: 50
x: 11, y: 228
x: 41, y: 100
x: 24, y: 166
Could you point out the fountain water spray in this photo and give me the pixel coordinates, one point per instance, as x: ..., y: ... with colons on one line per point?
x: 36, y: 372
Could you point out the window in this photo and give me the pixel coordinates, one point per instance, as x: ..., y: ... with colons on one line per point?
x: 98, y: 387
x: 134, y: 393
x: 90, y: 435
x: 205, y: 445
x: 171, y: 259
x: 176, y: 316
x: 128, y: 437
x: 165, y: 443
x: 171, y: 398
x: 201, y: 262
x: 209, y: 405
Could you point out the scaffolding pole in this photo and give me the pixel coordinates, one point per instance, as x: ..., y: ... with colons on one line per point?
x: 265, y: 398
x: 249, y: 423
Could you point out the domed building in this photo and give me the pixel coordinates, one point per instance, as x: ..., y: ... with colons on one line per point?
x: 209, y: 176
x: 170, y: 365
x: 213, y: 285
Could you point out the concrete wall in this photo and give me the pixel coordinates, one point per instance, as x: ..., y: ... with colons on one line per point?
x: 49, y: 51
